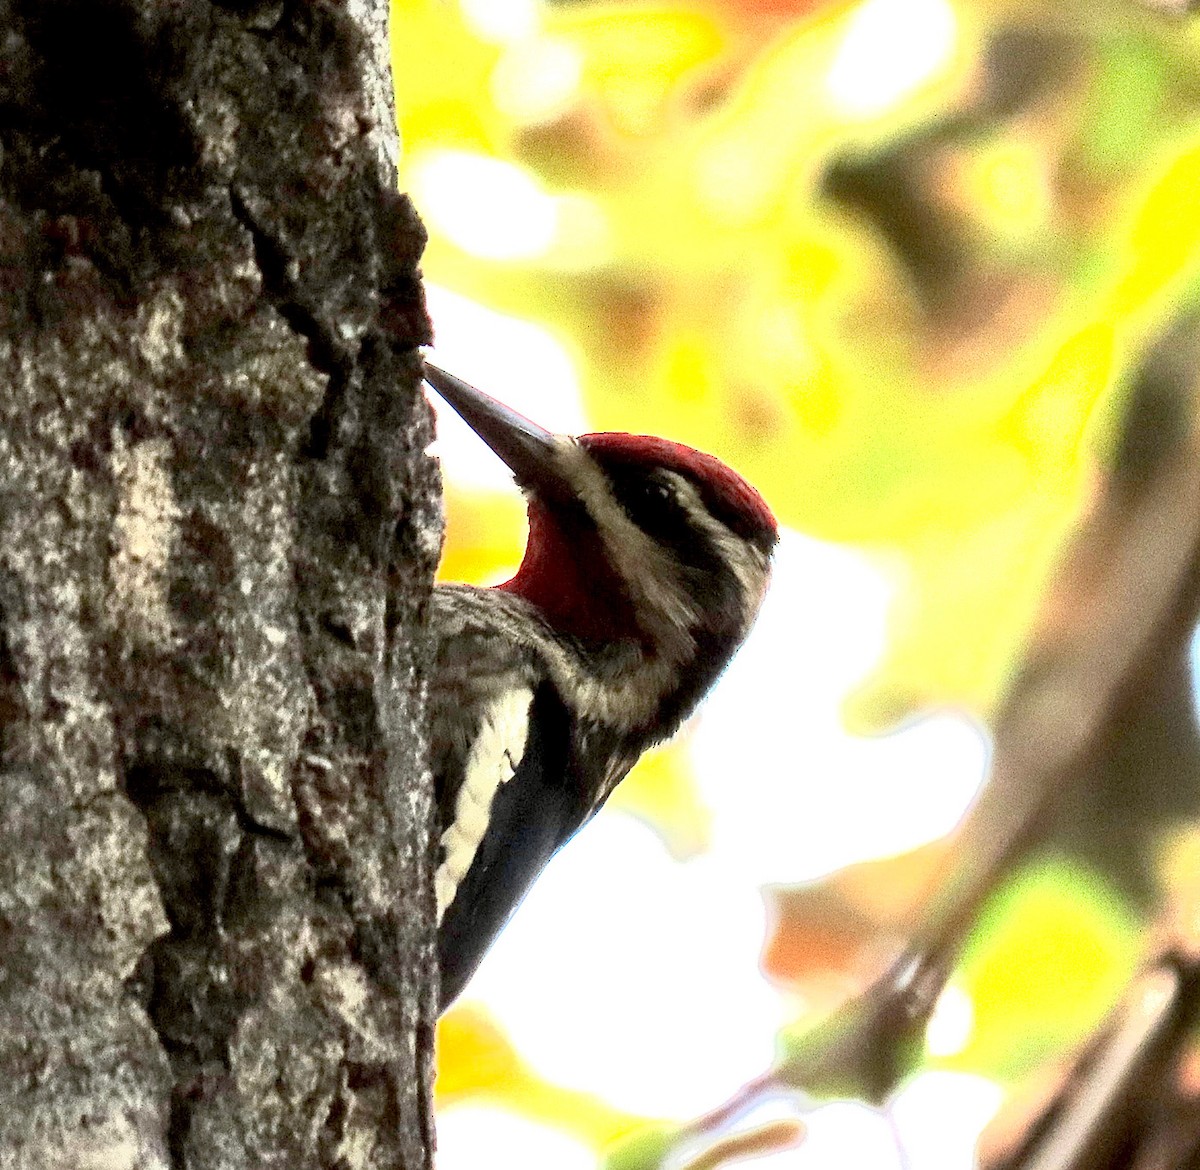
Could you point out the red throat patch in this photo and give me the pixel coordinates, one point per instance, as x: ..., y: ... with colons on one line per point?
x: 567, y: 575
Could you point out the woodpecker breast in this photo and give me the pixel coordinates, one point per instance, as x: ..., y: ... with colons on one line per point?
x: 645, y: 567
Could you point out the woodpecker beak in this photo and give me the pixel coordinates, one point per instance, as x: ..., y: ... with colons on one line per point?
x: 530, y: 452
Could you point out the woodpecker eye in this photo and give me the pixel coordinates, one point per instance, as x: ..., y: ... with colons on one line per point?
x: 649, y: 499
x: 655, y: 491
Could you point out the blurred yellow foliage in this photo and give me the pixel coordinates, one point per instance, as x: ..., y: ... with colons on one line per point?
x: 661, y: 181
x: 661, y: 791
x: 477, y: 1062
x: 734, y: 310
x: 1048, y: 962
x: 485, y: 532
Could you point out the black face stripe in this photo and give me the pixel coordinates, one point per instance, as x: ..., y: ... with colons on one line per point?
x: 652, y: 502
x: 728, y: 497
x: 645, y: 494
x: 650, y: 497
x: 714, y: 649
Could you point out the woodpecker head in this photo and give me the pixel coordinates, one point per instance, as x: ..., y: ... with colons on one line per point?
x: 631, y: 538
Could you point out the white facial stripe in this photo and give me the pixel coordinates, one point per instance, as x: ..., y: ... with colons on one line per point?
x: 628, y: 693
x: 623, y: 703
x: 744, y: 560
x: 494, y: 756
x: 647, y: 571
x: 632, y: 695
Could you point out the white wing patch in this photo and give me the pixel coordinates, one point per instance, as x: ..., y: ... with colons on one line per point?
x: 495, y: 754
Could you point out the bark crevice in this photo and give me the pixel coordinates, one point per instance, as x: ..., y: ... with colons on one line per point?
x: 215, y: 899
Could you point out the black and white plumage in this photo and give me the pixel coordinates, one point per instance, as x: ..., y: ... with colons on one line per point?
x: 645, y: 567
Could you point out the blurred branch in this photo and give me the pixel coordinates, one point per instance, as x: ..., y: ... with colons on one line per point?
x: 894, y: 187
x: 1122, y: 604
x: 1175, y: 7
x: 1129, y: 1098
x: 1115, y: 1096
x: 771, y: 1138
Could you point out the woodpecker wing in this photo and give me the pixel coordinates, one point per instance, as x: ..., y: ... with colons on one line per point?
x: 645, y: 565
x: 513, y: 811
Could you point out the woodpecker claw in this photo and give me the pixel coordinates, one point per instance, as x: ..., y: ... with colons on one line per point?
x: 529, y: 450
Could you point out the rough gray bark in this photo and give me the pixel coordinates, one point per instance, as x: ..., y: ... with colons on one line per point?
x: 217, y: 532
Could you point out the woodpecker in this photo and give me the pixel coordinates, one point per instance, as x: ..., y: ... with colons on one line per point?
x: 644, y: 569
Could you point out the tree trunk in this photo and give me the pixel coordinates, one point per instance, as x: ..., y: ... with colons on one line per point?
x: 218, y: 529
